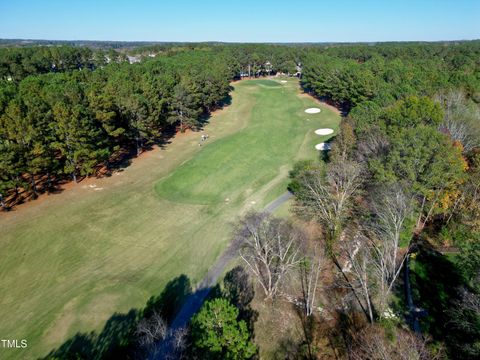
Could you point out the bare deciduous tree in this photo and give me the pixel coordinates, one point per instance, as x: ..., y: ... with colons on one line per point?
x: 374, y: 144
x: 310, y: 272
x: 373, y: 256
x: 356, y: 272
x: 150, y: 330
x: 328, y: 196
x: 372, y: 343
x: 392, y: 207
x: 465, y: 311
x: 179, y: 343
x: 270, y: 248
x: 461, y: 121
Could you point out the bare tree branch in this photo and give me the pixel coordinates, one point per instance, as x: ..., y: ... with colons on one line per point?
x: 270, y: 248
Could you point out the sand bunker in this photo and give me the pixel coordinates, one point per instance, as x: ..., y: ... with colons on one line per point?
x: 324, y: 131
x: 283, y: 81
x: 312, y: 110
x: 323, y: 146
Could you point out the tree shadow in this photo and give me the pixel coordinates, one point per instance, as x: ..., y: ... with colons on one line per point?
x: 287, y: 349
x: 205, y: 117
x: 238, y: 293
x: 171, y: 299
x: 123, y: 158
x: 117, y: 162
x: 239, y: 290
x: 435, y: 281
x: 117, y: 338
x: 324, y: 155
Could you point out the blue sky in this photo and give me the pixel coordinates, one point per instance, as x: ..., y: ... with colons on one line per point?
x: 241, y: 21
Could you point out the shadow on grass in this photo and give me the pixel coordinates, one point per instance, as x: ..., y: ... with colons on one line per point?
x: 117, y: 339
x: 176, y: 304
x: 435, y: 281
x: 239, y: 290
x: 437, y: 285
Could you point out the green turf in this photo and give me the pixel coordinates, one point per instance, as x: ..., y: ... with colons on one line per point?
x: 250, y: 157
x: 70, y: 261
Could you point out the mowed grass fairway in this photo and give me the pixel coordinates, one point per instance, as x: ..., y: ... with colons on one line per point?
x: 70, y: 261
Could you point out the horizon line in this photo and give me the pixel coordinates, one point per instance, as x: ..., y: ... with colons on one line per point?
x: 242, y: 42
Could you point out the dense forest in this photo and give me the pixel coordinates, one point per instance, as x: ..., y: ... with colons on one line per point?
x: 400, y: 186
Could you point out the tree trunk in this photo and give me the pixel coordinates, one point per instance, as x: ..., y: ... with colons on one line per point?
x: 365, y: 311
x: 34, y: 185
x: 49, y: 181
x: 2, y: 203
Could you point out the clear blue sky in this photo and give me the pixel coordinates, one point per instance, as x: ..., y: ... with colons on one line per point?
x: 241, y: 21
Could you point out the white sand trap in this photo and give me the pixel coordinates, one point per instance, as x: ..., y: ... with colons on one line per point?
x: 283, y: 81
x: 324, y: 131
x: 98, y: 189
x: 323, y: 146
x: 92, y: 186
x: 253, y: 202
x: 312, y: 110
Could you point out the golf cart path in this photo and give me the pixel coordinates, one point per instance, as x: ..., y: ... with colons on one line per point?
x: 195, y: 300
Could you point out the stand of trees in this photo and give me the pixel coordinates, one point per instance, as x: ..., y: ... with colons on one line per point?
x: 59, y: 125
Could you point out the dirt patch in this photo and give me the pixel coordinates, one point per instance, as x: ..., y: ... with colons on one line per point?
x: 275, y: 326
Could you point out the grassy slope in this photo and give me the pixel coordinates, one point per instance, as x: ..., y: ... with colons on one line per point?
x: 70, y: 261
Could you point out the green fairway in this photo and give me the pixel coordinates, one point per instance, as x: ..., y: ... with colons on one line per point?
x: 70, y: 261
x: 231, y: 166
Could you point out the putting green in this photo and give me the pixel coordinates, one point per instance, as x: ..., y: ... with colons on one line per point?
x: 68, y: 262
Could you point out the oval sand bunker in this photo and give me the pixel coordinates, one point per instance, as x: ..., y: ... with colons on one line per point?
x: 283, y: 81
x: 312, y: 110
x: 322, y: 146
x: 324, y: 131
